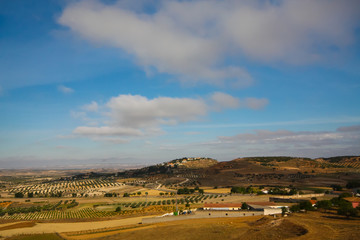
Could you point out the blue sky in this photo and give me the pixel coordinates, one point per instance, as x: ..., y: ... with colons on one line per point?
x: 100, y: 83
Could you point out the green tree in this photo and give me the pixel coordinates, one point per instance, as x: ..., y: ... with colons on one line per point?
x: 2, y: 212
x: 295, y: 208
x: 118, y: 209
x: 336, y: 187
x: 347, y: 210
x: 345, y: 195
x: 319, y: 191
x: 30, y: 194
x: 306, y: 205
x: 353, y: 184
x: 19, y: 195
x: 324, y: 204
x: 244, y: 206
x: 238, y: 190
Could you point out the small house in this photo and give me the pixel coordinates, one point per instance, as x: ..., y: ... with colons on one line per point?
x: 313, y: 202
x: 355, y: 201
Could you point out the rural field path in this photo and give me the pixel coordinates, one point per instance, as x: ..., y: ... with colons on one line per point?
x: 69, y: 227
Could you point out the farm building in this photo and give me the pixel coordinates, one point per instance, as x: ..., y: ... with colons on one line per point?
x: 355, y: 201
x: 263, y: 205
x: 264, y: 208
x: 268, y: 208
x: 223, y: 206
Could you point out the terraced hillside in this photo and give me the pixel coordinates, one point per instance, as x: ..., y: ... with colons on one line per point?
x: 280, y: 170
x: 342, y: 163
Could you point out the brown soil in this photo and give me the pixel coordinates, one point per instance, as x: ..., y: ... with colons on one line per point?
x: 274, y: 229
x: 18, y: 225
x: 261, y: 221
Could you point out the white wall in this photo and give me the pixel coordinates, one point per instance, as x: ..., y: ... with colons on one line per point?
x: 271, y: 211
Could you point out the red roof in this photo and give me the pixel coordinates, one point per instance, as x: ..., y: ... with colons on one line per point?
x: 313, y: 202
x: 223, y: 205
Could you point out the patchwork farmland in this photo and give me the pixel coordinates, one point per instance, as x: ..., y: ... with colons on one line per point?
x: 72, y: 210
x: 71, y: 188
x: 85, y: 213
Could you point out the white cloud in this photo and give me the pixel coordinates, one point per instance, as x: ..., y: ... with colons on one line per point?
x: 83, y: 116
x: 193, y: 39
x: 78, y: 115
x: 354, y: 128
x: 135, y: 115
x: 107, y: 131
x: 223, y: 100
x: 305, y: 143
x: 193, y: 133
x: 138, y: 111
x: 92, y: 107
x: 255, y: 103
x: 295, y: 31
x: 65, y: 90
x: 157, y: 40
x: 282, y: 136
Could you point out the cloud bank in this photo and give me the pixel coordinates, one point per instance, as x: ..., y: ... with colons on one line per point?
x: 136, y: 116
x: 91, y: 107
x: 207, y: 41
x: 342, y: 141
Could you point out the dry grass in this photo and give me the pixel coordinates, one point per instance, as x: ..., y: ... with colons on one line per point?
x: 69, y: 227
x: 48, y: 236
x: 327, y: 226
x: 218, y: 190
x: 188, y: 229
x: 151, y: 192
x: 312, y: 225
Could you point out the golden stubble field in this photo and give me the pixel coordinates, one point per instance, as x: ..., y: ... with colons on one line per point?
x: 311, y: 225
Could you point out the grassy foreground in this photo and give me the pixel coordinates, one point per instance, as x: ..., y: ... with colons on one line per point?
x: 311, y: 225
